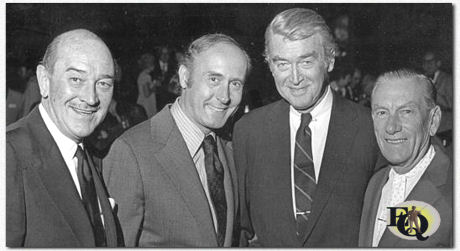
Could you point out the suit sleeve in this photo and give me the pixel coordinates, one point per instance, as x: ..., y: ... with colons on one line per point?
x: 241, y: 164
x: 124, y: 184
x: 15, y: 205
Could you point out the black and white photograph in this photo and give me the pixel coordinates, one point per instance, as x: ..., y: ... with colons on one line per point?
x: 236, y: 125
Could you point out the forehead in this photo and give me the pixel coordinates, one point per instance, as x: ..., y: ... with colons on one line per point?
x: 429, y: 57
x: 397, y: 92
x: 85, y: 53
x: 281, y: 46
x: 221, y: 57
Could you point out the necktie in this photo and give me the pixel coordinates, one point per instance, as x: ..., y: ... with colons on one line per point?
x: 304, y: 174
x: 89, y: 196
x: 215, y: 177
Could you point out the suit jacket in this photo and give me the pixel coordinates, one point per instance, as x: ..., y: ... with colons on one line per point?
x: 434, y: 187
x: 262, y: 157
x: 161, y: 202
x: 43, y: 207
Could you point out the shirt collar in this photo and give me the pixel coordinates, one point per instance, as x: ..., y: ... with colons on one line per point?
x: 320, y: 109
x: 193, y: 136
x: 66, y: 146
x: 419, y: 168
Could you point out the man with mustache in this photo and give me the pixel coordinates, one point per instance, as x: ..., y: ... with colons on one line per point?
x: 55, y: 194
x: 173, y: 176
x: 304, y: 161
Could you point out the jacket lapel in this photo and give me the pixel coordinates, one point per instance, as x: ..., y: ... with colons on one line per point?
x: 58, y: 182
x: 177, y: 163
x: 341, y: 132
x: 225, y: 155
x: 371, y: 208
x: 109, y: 221
x: 278, y: 162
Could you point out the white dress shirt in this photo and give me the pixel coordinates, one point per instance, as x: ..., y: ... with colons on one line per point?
x: 321, y: 115
x: 194, y: 137
x: 66, y: 146
x: 396, y: 190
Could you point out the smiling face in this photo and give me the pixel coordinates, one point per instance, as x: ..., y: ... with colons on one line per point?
x: 213, y: 87
x: 299, y: 69
x: 78, y: 90
x: 403, y: 123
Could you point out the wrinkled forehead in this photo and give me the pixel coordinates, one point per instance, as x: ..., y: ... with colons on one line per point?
x: 90, y: 52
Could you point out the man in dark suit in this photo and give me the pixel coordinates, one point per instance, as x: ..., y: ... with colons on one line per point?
x: 303, y: 184
x: 405, y: 117
x: 173, y: 177
x: 55, y: 194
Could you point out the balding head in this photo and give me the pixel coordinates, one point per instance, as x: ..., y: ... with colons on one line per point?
x: 66, y: 39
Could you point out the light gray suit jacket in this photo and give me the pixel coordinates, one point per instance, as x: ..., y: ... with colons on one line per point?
x: 161, y: 202
x: 434, y: 187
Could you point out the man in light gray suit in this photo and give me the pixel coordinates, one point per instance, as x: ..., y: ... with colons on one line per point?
x: 172, y: 177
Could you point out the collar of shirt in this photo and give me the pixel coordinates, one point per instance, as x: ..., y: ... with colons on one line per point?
x: 66, y: 146
x: 318, y: 112
x: 412, y: 177
x: 193, y: 136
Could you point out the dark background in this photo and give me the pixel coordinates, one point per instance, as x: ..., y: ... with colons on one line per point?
x: 384, y: 36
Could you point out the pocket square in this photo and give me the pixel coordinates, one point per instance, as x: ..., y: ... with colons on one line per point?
x: 112, y: 203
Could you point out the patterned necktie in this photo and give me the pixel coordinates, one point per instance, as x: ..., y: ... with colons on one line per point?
x: 304, y: 174
x: 215, y: 177
x: 89, y: 196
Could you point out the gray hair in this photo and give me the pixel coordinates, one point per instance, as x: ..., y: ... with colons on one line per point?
x: 426, y: 84
x: 298, y: 24
x: 205, y: 42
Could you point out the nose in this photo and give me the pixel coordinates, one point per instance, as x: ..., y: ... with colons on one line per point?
x: 393, y: 124
x: 223, y: 94
x: 89, y: 95
x: 295, y: 76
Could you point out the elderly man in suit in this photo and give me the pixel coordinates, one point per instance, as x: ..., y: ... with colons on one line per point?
x: 55, y: 194
x: 405, y: 116
x: 173, y: 177
x: 304, y: 161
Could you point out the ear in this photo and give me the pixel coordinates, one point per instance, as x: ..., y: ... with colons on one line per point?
x: 438, y: 63
x: 43, y: 80
x: 184, y: 76
x: 331, y: 62
x: 435, y: 120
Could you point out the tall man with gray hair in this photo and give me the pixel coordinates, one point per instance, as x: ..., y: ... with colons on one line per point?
x: 304, y: 161
x: 406, y: 116
x: 172, y: 176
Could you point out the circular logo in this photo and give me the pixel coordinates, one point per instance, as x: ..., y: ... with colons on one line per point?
x: 413, y: 220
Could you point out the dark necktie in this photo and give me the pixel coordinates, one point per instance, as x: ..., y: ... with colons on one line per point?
x: 304, y: 174
x: 215, y: 177
x: 89, y: 197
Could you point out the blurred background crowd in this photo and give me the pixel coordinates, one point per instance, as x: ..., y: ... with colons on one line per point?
x: 148, y: 42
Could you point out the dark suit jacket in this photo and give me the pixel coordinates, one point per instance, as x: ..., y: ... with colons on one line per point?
x: 161, y: 202
x: 262, y: 157
x: 434, y: 187
x: 43, y: 208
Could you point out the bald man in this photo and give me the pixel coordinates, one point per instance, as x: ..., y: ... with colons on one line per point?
x: 55, y: 194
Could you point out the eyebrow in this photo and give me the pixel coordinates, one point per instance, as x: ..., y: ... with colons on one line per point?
x: 311, y: 54
x: 84, y: 72
x: 213, y: 73
x: 408, y: 104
